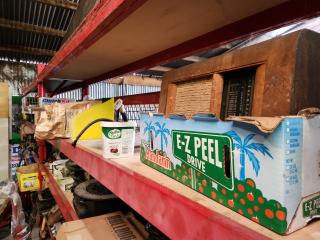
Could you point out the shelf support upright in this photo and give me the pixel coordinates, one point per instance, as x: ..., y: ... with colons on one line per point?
x: 42, y: 150
x: 41, y: 93
x: 41, y: 143
x: 41, y: 89
x: 84, y: 92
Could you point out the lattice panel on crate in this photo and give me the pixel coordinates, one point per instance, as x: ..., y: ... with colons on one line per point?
x: 133, y: 111
x: 193, y: 96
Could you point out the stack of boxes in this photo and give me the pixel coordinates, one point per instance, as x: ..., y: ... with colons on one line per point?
x: 258, y: 161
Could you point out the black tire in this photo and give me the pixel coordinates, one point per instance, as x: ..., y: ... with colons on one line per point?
x: 93, y: 190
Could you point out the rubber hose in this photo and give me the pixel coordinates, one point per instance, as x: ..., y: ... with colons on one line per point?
x: 74, y: 143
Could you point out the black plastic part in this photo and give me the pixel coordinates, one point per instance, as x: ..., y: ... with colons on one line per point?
x: 74, y: 143
x: 92, y: 199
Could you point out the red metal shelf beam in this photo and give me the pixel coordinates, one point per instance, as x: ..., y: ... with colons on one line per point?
x: 269, y: 19
x: 175, y: 215
x: 107, y: 14
x: 101, y: 19
x: 145, y: 98
x: 65, y: 207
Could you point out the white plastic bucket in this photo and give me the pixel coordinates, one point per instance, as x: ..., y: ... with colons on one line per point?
x: 118, y: 139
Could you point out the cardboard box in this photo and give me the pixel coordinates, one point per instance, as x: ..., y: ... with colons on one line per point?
x: 14, y: 164
x: 14, y: 150
x: 58, y: 168
x: 109, y: 226
x: 65, y: 183
x: 47, y: 101
x: 28, y: 178
x: 266, y: 169
x: 61, y: 174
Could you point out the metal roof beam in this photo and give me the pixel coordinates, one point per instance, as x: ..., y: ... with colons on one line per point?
x: 55, y: 91
x: 5, y: 23
x: 27, y: 50
x: 60, y: 3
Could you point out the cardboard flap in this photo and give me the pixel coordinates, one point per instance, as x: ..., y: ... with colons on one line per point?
x: 111, y: 226
x: 264, y: 124
x: 32, y: 168
x: 309, y: 112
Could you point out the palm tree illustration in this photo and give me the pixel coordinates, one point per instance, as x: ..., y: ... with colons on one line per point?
x: 162, y: 131
x: 246, y: 149
x: 148, y: 129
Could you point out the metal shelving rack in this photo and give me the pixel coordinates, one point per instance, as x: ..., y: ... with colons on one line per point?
x: 173, y: 208
x: 61, y: 199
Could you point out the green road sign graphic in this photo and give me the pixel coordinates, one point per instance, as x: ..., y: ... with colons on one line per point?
x: 311, y: 207
x: 208, y: 153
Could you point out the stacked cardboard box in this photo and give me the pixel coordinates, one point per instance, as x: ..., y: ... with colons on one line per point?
x: 109, y: 226
x: 264, y: 167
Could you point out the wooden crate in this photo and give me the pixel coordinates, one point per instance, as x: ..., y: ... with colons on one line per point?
x: 193, y: 96
x: 286, y: 78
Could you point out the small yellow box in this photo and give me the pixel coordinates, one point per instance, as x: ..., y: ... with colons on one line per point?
x: 28, y: 178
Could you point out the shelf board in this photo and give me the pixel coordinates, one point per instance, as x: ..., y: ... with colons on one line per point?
x: 63, y: 199
x: 178, y: 211
x: 122, y: 36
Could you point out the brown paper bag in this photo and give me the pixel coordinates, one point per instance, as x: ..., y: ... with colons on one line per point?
x: 55, y: 120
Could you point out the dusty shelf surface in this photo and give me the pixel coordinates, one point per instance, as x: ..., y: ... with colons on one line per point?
x: 134, y: 166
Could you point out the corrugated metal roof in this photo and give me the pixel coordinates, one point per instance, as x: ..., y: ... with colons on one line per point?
x: 32, y: 30
x: 107, y: 90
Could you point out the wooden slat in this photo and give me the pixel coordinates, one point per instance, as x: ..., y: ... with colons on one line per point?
x: 60, y: 3
x: 27, y: 50
x: 193, y: 97
x: 5, y: 23
x: 4, y: 147
x: 4, y: 100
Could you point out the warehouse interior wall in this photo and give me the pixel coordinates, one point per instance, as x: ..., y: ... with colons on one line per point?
x: 18, y: 75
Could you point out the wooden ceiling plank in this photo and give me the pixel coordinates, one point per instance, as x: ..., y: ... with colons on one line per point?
x: 60, y: 3
x: 6, y: 23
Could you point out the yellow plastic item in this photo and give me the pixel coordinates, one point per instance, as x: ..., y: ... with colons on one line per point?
x: 81, y: 120
x: 28, y: 178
